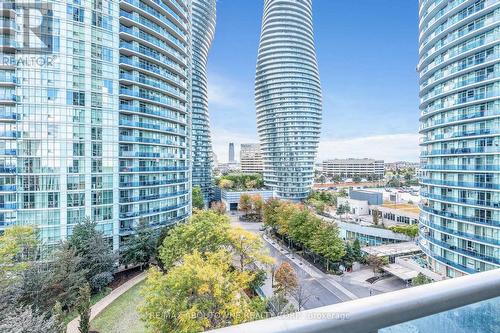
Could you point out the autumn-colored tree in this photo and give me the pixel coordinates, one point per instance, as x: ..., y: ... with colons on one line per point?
x: 226, y: 184
x: 286, y: 278
x: 376, y: 262
x: 251, y: 184
x: 219, y: 207
x: 257, y: 205
x: 201, y: 293
x: 245, y: 204
x: 248, y: 248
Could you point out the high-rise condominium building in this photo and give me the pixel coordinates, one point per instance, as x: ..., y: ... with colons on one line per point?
x: 459, y: 72
x: 97, y: 125
x: 203, y: 34
x: 288, y: 97
x: 351, y: 167
x: 231, y: 153
x: 251, y: 158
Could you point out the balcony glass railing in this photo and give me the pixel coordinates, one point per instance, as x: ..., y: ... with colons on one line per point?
x: 153, y: 112
x: 494, y: 241
x: 126, y: 215
x: 153, y: 169
x: 468, y: 304
x: 457, y: 183
x: 486, y: 203
x: 478, y: 220
x: 470, y: 253
x: 459, y: 151
x: 458, y: 167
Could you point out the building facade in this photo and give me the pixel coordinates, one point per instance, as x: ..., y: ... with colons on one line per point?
x: 204, y: 12
x: 459, y: 70
x: 231, y: 153
x: 351, y: 167
x: 251, y: 158
x: 102, y: 129
x: 288, y: 97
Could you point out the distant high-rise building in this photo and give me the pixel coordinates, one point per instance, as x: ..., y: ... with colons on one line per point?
x: 350, y: 167
x: 99, y: 128
x: 231, y: 153
x: 251, y: 158
x: 459, y: 70
x: 288, y: 97
x: 203, y: 34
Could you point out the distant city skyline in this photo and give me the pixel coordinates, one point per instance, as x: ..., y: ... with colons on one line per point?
x: 362, y: 115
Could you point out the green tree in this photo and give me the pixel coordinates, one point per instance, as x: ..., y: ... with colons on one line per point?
x: 343, y: 208
x: 349, y: 258
x: 206, y: 231
x: 280, y: 305
x: 356, y: 248
x: 84, y: 308
x: 197, y: 198
x: 408, y: 230
x: 326, y: 242
x: 203, y: 292
x: 23, y: 319
x: 58, y: 317
x: 97, y: 257
x: 18, y: 247
x: 140, y: 248
x: 62, y: 282
x: 271, y: 212
x: 420, y: 279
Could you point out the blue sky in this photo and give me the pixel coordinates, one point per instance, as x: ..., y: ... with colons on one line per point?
x: 367, y: 54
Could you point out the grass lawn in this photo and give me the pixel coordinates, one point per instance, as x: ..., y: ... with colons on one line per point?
x: 121, y: 316
x: 93, y: 299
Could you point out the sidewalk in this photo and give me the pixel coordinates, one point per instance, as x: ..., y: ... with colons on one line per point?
x: 313, y: 271
x: 107, y: 300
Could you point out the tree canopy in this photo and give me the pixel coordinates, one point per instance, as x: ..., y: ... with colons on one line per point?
x: 96, y: 253
x: 241, y: 181
x: 197, y: 198
x: 201, y: 293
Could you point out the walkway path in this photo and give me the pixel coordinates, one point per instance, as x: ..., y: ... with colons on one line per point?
x: 107, y: 300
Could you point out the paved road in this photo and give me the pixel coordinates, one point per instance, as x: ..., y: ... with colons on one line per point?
x: 319, y: 287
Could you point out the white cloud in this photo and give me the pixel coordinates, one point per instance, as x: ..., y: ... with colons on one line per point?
x: 226, y: 93
x: 390, y: 147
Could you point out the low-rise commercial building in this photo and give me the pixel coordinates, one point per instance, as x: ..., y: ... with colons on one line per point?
x: 351, y: 167
x: 231, y: 198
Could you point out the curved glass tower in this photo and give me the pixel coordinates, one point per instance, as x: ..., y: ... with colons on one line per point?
x: 203, y: 33
x: 459, y: 71
x: 288, y: 97
x: 154, y: 112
